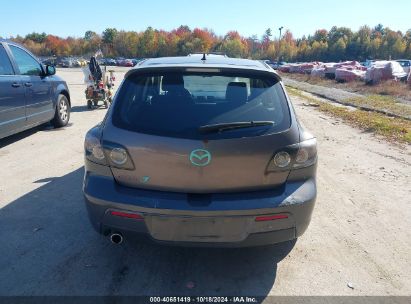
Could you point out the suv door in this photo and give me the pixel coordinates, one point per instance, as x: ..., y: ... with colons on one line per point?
x: 39, y: 103
x: 12, y: 97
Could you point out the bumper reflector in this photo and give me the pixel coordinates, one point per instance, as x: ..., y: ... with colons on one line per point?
x: 127, y: 215
x: 267, y: 218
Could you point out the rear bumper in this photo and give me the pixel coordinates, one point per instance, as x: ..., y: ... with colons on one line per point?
x: 222, y: 220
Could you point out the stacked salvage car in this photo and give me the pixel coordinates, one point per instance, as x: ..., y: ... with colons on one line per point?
x: 348, y: 71
x: 384, y: 70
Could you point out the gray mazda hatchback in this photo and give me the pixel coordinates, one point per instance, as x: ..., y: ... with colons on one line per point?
x: 203, y: 151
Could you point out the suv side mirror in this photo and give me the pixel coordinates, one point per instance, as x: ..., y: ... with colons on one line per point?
x: 50, y: 70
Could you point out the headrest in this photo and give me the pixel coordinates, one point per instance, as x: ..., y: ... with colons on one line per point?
x: 170, y: 82
x: 237, y: 92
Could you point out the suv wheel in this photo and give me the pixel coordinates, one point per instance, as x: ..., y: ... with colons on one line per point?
x: 62, y: 115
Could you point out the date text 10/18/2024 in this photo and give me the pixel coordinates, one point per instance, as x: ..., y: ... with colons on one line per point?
x: 203, y: 300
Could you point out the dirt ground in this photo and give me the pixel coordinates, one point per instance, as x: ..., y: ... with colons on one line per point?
x: 359, y: 235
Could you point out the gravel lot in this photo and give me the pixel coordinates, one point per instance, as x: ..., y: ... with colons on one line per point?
x: 359, y: 235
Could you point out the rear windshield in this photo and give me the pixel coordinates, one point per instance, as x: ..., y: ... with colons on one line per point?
x: 177, y: 104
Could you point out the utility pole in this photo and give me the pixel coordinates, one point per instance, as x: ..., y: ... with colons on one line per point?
x: 279, y: 45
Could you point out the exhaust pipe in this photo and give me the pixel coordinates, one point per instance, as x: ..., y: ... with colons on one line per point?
x: 116, y: 238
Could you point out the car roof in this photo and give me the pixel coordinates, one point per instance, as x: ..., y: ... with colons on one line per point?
x: 18, y: 45
x: 212, y: 61
x: 8, y: 41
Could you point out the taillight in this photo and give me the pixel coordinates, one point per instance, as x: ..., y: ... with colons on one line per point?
x: 307, y: 154
x: 282, y: 159
x: 129, y: 215
x: 93, y: 149
x: 117, y: 156
x: 106, y: 153
x: 267, y: 218
x: 295, y: 156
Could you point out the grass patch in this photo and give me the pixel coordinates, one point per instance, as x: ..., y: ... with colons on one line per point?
x: 382, y: 103
x: 392, y: 128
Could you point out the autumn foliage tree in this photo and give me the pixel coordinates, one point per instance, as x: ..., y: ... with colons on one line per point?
x: 339, y: 43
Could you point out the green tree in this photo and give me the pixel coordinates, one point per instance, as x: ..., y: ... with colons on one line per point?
x: 36, y: 37
x: 108, y: 37
x: 336, y: 33
x: 379, y: 29
x: 338, y: 50
x: 90, y: 35
x: 267, y: 35
x: 125, y: 44
x: 147, y: 45
x: 360, y: 45
x: 407, y: 36
x: 109, y: 34
x: 233, y: 45
x: 319, y: 51
x: 398, y: 49
x: 321, y: 36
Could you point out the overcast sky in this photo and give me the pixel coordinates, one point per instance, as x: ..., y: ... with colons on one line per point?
x: 74, y: 17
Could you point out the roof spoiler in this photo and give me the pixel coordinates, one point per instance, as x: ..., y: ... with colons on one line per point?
x: 204, y: 54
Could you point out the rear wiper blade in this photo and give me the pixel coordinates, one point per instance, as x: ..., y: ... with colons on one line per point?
x: 221, y: 127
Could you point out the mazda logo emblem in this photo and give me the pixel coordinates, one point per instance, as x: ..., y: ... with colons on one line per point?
x: 200, y: 157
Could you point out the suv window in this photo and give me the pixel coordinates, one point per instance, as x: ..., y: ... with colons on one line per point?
x: 178, y: 104
x: 5, y: 64
x: 25, y: 62
x: 405, y: 63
